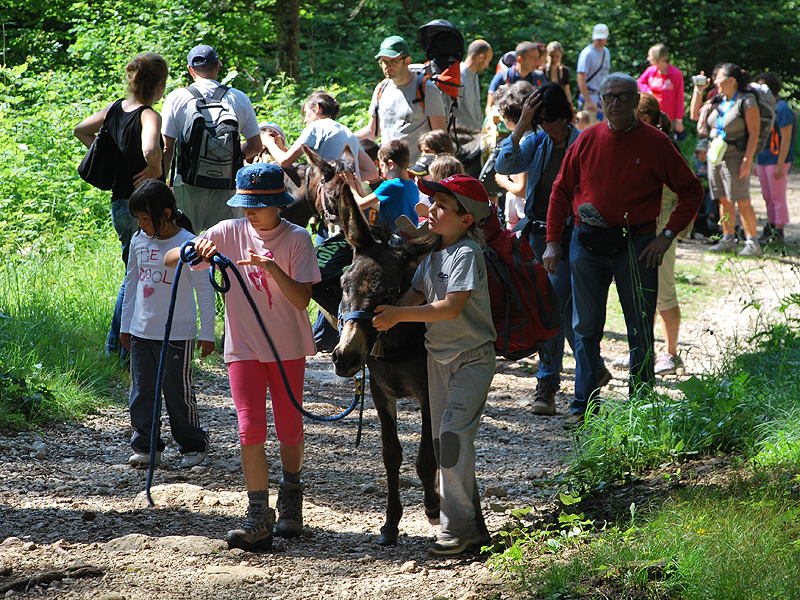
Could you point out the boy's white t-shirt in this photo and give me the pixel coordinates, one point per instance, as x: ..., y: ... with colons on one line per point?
x: 148, y: 290
x: 328, y: 138
x: 458, y: 268
x: 290, y: 329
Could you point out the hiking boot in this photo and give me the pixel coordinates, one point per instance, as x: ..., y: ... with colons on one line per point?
x: 142, y: 459
x: 623, y: 363
x: 256, y: 531
x: 724, y: 245
x: 751, y: 248
x: 574, y: 421
x: 192, y: 459
x: 767, y: 235
x: 290, y: 509
x: 777, y: 238
x: 668, y: 364
x: 544, y: 400
x: 447, y: 545
x: 604, y: 376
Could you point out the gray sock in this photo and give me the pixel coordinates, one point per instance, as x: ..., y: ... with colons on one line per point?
x: 292, y: 477
x: 259, y: 498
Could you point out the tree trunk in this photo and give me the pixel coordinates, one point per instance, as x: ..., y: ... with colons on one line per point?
x: 287, y: 26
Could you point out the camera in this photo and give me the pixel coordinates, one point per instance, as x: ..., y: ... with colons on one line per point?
x: 699, y: 80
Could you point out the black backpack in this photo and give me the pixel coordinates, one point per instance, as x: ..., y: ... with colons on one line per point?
x: 209, y: 151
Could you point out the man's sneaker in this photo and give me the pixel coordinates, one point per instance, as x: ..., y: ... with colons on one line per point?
x: 724, y: 245
x: 256, y: 531
x: 668, y: 364
x: 446, y: 545
x: 544, y: 401
x: 142, y: 459
x: 192, y: 459
x: 751, y: 248
x: 604, y: 376
x: 623, y: 363
x: 290, y: 509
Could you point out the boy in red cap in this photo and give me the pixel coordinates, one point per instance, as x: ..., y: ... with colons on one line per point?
x: 460, y: 341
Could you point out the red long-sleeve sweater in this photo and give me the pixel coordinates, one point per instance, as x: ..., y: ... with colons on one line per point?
x: 622, y: 175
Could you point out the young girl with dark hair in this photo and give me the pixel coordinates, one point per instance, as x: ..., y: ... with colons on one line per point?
x: 148, y: 288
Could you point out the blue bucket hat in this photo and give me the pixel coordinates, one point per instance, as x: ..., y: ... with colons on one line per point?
x: 260, y: 185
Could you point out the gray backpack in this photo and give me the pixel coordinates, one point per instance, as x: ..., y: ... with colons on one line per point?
x: 209, y: 151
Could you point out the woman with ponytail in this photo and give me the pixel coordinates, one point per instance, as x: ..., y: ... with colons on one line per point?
x: 135, y: 128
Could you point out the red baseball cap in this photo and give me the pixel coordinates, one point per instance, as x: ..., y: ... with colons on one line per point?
x: 469, y: 191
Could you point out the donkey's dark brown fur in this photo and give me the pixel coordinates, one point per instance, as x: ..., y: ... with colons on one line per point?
x: 379, y: 274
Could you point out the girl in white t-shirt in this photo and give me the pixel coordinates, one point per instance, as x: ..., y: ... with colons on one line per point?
x: 279, y: 266
x: 148, y: 288
x: 324, y: 135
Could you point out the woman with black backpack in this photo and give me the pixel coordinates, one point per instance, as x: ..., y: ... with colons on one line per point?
x: 135, y: 128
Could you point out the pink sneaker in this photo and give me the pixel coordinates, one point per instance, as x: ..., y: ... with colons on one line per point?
x: 668, y: 364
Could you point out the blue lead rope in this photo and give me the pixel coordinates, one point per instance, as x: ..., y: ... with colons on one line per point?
x: 222, y: 262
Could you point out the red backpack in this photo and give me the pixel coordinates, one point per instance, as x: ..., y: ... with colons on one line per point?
x: 525, y: 307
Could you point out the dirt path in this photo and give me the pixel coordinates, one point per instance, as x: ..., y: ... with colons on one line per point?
x: 68, y: 498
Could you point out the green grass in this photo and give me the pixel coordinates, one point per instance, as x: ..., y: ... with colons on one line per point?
x: 56, y: 306
x: 700, y: 545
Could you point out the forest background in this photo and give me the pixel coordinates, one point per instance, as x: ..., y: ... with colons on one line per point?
x: 62, y: 60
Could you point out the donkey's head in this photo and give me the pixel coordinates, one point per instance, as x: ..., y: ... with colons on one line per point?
x: 380, y: 273
x: 325, y: 185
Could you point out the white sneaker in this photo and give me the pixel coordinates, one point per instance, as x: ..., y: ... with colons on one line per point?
x: 751, y: 248
x: 142, y: 459
x: 724, y: 245
x: 622, y: 362
x: 192, y: 459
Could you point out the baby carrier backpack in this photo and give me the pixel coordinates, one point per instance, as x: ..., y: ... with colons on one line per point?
x: 209, y: 151
x: 525, y: 308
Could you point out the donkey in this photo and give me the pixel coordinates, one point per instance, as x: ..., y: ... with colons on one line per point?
x: 379, y: 274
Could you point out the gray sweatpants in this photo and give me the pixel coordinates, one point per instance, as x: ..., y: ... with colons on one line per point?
x: 458, y: 393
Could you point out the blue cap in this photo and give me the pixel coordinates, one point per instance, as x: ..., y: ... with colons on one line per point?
x: 200, y: 56
x: 260, y: 185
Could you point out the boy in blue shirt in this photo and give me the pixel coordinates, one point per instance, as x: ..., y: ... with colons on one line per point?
x: 396, y: 196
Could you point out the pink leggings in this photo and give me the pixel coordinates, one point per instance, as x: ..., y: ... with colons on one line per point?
x: 774, y: 192
x: 249, y: 382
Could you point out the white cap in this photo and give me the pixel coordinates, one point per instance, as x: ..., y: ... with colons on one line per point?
x: 600, y: 32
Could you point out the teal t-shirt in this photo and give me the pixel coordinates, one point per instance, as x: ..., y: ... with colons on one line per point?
x: 397, y: 197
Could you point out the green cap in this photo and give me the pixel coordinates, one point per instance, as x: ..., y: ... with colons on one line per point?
x: 392, y: 47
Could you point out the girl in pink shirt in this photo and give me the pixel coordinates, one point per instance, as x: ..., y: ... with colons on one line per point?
x: 279, y: 267
x: 665, y: 82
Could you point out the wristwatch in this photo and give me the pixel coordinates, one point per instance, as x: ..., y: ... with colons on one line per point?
x: 670, y: 235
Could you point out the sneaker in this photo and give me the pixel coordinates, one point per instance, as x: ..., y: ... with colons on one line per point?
x: 447, y: 545
x: 256, y: 531
x: 623, y: 363
x: 724, y: 245
x: 192, y: 459
x: 142, y: 459
x: 544, y: 401
x: 751, y: 248
x: 604, y: 376
x: 290, y: 509
x: 668, y: 364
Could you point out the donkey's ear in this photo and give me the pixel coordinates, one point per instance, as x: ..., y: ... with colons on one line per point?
x: 356, y: 229
x: 328, y: 170
x: 347, y: 156
x: 418, y: 248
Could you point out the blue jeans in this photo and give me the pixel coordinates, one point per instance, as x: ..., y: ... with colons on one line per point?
x: 125, y: 226
x: 637, y: 288
x: 562, y: 282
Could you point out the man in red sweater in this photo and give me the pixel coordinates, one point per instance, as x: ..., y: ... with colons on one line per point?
x: 612, y: 179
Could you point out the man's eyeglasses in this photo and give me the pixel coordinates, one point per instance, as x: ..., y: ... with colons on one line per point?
x: 391, y: 62
x: 623, y: 97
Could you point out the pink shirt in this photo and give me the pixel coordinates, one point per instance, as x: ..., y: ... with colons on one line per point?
x: 289, y: 328
x: 667, y: 88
